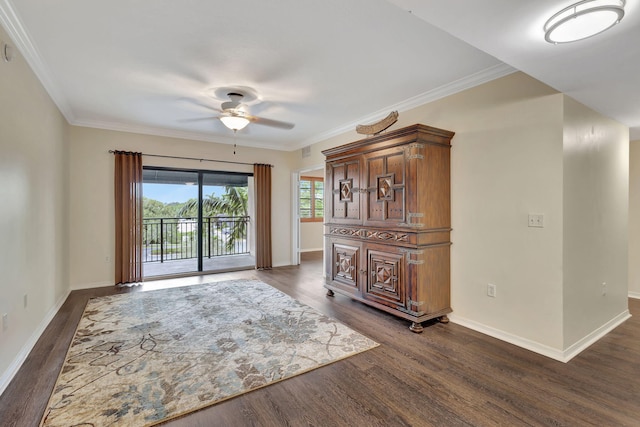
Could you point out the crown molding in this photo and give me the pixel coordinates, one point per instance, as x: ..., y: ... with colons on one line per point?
x: 12, y: 24
x: 482, y: 76
x: 173, y: 133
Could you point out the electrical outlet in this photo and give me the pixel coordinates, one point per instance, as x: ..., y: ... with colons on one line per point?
x: 536, y: 220
x: 25, y: 300
x: 604, y: 288
x: 5, y: 322
x: 491, y: 290
x: 107, y: 259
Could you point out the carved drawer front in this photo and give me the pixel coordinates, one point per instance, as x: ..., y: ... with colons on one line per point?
x: 345, y: 266
x: 385, y: 280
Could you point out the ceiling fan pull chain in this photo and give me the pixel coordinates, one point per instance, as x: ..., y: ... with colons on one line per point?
x: 234, y: 141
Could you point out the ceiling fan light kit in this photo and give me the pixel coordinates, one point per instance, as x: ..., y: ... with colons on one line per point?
x: 233, y: 122
x: 235, y: 116
x: 582, y: 20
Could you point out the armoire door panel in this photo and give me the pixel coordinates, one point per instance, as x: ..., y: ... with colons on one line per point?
x: 345, y: 261
x: 344, y: 179
x: 386, y: 190
x: 385, y: 278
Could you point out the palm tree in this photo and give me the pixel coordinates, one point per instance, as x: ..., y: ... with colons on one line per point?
x: 232, y: 204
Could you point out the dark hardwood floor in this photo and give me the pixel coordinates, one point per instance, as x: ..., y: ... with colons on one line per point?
x: 446, y: 376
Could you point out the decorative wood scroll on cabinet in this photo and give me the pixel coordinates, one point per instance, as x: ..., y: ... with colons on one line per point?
x: 388, y: 222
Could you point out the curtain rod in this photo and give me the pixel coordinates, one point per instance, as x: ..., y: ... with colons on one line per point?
x: 192, y: 158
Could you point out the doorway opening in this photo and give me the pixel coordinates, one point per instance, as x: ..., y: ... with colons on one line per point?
x: 309, y: 214
x: 196, y: 221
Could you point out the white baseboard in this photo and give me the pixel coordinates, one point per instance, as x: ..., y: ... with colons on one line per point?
x: 8, y: 375
x: 312, y: 250
x: 635, y: 295
x: 576, y: 348
x: 534, y: 346
x: 553, y: 353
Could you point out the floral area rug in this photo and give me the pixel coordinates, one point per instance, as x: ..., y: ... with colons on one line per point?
x: 142, y: 358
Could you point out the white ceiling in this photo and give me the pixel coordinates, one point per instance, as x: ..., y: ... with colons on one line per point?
x: 602, y: 72
x: 151, y: 66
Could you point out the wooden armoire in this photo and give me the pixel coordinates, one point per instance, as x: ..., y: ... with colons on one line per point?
x: 388, y: 222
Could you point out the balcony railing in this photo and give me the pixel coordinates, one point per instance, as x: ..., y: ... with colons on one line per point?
x: 168, y: 239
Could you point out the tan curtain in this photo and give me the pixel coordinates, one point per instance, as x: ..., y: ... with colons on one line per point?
x: 128, y: 198
x: 262, y: 181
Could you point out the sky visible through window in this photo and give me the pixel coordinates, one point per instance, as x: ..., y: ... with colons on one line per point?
x: 172, y: 193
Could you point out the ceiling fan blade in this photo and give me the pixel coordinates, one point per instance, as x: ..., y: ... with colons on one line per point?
x: 198, y: 119
x: 200, y: 104
x: 271, y: 123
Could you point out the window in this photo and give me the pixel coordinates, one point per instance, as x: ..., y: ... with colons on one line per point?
x: 311, y: 199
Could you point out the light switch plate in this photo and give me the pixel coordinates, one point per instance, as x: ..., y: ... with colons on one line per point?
x: 491, y: 290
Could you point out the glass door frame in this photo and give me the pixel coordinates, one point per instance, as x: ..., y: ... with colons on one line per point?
x: 200, y: 210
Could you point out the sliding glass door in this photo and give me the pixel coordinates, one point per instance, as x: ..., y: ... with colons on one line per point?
x: 195, y: 221
x: 225, y: 222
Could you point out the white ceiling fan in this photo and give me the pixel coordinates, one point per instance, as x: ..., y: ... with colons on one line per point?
x: 235, y: 116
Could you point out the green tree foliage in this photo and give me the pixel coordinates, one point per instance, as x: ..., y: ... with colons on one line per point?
x: 215, y: 212
x: 231, y: 204
x: 155, y: 209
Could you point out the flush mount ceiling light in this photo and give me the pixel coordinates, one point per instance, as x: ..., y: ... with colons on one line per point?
x: 583, y: 20
x: 234, y: 121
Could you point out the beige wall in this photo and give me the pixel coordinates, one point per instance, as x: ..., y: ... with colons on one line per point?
x: 596, y: 195
x: 508, y: 158
x: 506, y: 163
x: 91, y: 209
x: 33, y: 216
x: 311, y: 237
x: 634, y: 219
